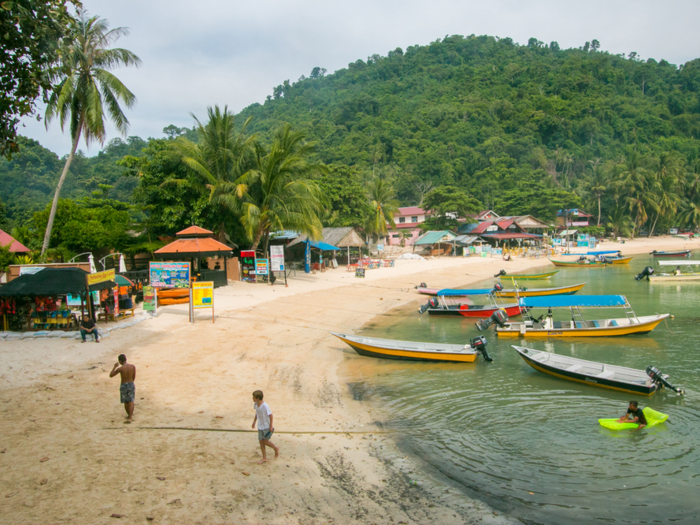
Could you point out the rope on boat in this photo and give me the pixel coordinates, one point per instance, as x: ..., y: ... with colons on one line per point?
x: 255, y: 431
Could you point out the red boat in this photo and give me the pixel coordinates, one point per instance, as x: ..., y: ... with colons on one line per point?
x: 683, y: 253
x: 480, y: 311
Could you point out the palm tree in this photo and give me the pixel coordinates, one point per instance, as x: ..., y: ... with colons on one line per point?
x: 619, y: 222
x: 384, y: 207
x: 666, y: 198
x: 637, y: 181
x: 86, y: 89
x: 279, y: 192
x: 597, y: 183
x: 690, y: 216
x: 218, y: 162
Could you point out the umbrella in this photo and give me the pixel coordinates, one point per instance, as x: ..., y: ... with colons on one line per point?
x: 92, y: 264
x: 122, y: 281
x: 122, y: 264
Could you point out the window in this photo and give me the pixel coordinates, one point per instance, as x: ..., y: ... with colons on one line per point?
x: 402, y: 220
x: 414, y: 218
x: 396, y: 236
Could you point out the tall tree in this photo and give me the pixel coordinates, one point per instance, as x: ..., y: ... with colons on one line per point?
x: 596, y: 182
x: 383, y: 207
x: 446, y: 205
x: 86, y: 89
x: 280, y: 193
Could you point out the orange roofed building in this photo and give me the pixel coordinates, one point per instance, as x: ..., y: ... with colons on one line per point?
x: 194, y: 243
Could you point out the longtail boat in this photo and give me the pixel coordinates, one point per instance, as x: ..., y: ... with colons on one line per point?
x: 678, y: 275
x: 526, y: 277
x: 416, y: 351
x: 444, y: 305
x: 506, y: 292
x: 599, y: 258
x: 545, y: 326
x: 597, y: 374
x: 681, y: 253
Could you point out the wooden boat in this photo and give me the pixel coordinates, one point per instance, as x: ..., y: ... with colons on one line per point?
x: 546, y: 327
x: 599, y: 258
x: 677, y: 276
x: 444, y: 305
x: 586, y: 263
x: 592, y: 373
x: 411, y: 350
x: 530, y: 277
x: 506, y: 292
x: 681, y: 253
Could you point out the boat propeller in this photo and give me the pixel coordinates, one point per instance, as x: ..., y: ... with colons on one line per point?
x: 657, y: 377
x: 432, y: 303
x: 646, y: 272
x: 500, y: 317
x: 502, y: 273
x: 479, y: 343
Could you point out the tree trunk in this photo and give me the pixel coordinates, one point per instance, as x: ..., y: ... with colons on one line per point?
x: 256, y: 239
x: 266, y: 244
x: 54, y: 205
x: 598, y: 210
x: 651, y: 232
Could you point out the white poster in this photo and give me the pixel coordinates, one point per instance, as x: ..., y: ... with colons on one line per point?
x: 277, y: 258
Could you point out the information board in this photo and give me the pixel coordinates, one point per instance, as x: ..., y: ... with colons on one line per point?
x: 203, y: 294
x: 170, y: 274
x: 74, y: 299
x: 261, y: 267
x: 277, y: 258
x: 248, y: 266
x: 149, y: 299
x: 360, y: 272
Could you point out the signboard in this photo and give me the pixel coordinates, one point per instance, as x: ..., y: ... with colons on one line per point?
x: 170, y: 274
x: 492, y: 228
x: 360, y: 272
x: 203, y: 294
x: 74, y: 299
x: 261, y: 267
x: 24, y: 270
x: 149, y: 299
x: 115, y: 294
x: 248, y: 266
x: 100, y: 277
x: 277, y: 258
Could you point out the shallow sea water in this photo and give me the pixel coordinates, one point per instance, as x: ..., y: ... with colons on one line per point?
x: 529, y: 444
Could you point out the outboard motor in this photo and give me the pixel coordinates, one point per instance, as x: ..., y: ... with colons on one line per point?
x: 656, y: 376
x: 646, y: 272
x: 433, y: 303
x: 496, y: 288
x: 500, y: 317
x: 421, y: 285
x: 502, y: 273
x: 479, y: 343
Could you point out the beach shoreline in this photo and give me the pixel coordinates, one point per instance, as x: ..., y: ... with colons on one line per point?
x: 57, y: 402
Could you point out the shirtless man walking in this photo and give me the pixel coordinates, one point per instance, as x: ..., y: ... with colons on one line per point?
x: 127, y: 390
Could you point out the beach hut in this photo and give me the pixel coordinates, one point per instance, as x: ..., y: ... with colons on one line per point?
x: 337, y: 239
x: 439, y: 241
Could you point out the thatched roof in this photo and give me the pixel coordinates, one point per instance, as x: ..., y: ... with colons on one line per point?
x: 340, y: 237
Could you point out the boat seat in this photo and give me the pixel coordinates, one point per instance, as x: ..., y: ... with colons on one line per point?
x: 614, y: 323
x: 556, y: 324
x: 579, y: 324
x: 596, y: 324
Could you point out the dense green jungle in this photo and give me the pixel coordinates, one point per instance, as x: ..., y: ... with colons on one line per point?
x: 514, y: 128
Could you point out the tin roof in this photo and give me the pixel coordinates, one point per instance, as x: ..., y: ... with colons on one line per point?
x: 15, y: 245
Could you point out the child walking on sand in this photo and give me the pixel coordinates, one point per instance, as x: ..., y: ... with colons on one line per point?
x: 263, y: 416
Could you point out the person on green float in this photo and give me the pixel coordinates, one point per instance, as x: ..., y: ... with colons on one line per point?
x: 634, y: 415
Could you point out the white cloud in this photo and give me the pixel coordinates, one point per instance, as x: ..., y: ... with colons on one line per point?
x: 197, y: 54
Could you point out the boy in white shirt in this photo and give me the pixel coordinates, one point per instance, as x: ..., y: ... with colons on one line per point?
x: 263, y: 416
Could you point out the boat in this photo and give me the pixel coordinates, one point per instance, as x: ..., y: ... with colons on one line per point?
x: 545, y: 326
x: 443, y: 305
x: 681, y: 253
x: 504, y: 292
x: 525, y: 277
x: 416, y: 351
x: 596, y: 374
x: 599, y: 258
x: 677, y: 275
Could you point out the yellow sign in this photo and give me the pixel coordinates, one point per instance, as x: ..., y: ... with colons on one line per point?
x: 100, y: 277
x: 203, y: 294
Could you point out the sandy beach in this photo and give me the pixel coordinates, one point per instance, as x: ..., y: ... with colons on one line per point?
x: 67, y: 456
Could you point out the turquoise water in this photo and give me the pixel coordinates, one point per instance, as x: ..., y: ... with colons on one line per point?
x: 529, y: 444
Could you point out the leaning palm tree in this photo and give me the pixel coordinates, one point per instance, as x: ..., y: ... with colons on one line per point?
x: 384, y: 206
x: 666, y: 199
x: 86, y: 90
x: 217, y: 162
x: 596, y: 184
x: 280, y: 193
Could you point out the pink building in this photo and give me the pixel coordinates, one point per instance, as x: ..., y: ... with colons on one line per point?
x: 408, y: 223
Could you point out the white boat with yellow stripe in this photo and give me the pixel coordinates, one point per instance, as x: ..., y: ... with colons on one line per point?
x: 576, y: 325
x: 680, y: 271
x: 416, y: 351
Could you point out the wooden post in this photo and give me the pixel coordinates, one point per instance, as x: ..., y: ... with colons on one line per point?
x: 88, y: 299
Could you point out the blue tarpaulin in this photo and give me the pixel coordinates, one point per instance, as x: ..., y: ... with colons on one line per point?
x: 447, y: 292
x: 323, y: 245
x: 566, y: 301
x: 605, y: 252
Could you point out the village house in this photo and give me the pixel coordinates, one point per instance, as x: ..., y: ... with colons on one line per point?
x: 408, y: 224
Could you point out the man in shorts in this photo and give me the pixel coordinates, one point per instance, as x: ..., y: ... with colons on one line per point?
x: 127, y: 390
x: 263, y: 416
x: 634, y: 415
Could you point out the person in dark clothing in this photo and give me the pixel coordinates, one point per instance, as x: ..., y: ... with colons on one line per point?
x: 634, y: 415
x: 87, y: 326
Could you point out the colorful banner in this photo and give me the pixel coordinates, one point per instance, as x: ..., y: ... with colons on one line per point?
x: 115, y: 294
x: 277, y: 258
x: 261, y: 267
x: 100, y: 277
x: 203, y: 294
x: 170, y: 274
x: 149, y: 299
x: 248, y: 266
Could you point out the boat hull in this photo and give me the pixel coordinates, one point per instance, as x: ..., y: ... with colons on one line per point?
x: 540, y: 276
x: 407, y: 355
x: 477, y: 313
x: 590, y: 380
x: 566, y: 264
x: 683, y: 253
x: 563, y: 290
x: 674, y: 278
x: 608, y: 331
x: 621, y: 260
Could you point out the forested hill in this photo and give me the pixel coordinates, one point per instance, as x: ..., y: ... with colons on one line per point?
x: 485, y: 113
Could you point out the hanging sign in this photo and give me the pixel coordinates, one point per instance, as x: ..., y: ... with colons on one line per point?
x: 277, y: 258
x: 248, y: 266
x: 149, y: 299
x: 169, y: 274
x: 261, y: 267
x: 100, y: 277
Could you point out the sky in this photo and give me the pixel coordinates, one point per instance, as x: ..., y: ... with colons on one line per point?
x: 229, y: 52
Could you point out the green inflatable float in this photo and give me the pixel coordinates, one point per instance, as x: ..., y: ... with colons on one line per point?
x: 653, y: 418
